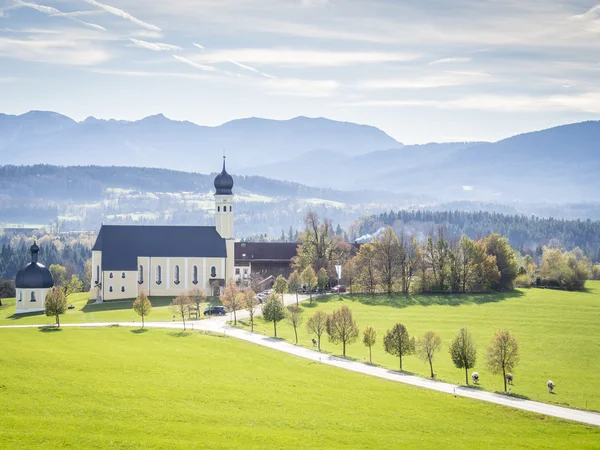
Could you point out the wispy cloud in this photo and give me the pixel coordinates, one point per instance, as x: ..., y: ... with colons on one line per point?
x: 450, y: 60
x: 125, y: 15
x: 251, y: 69
x: 201, y: 47
x: 62, y: 51
x: 155, y: 46
x: 195, y: 64
x: 149, y: 74
x: 56, y: 13
x: 592, y: 13
x: 448, y: 78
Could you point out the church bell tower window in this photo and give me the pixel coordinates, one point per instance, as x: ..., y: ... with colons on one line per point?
x: 158, y: 275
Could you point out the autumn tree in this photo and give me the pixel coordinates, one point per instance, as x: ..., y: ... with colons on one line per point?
x: 342, y: 328
x: 503, y: 354
x: 74, y: 285
x: 309, y: 279
x: 506, y: 260
x: 322, y: 279
x: 388, y: 255
x: 280, y: 286
x: 142, y: 306
x: 251, y: 305
x: 294, y: 285
x: 369, y: 339
x: 179, y: 306
x: 294, y: 318
x: 463, y: 352
x: 55, y: 303
x: 427, y: 346
x: 397, y: 342
x: 409, y: 261
x: 466, y: 254
x: 349, y: 273
x: 317, y: 325
x: 366, y: 271
x: 231, y: 299
x: 273, y: 311
x: 197, y: 298
x: 59, y: 274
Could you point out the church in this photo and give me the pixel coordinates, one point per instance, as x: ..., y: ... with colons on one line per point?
x: 166, y: 260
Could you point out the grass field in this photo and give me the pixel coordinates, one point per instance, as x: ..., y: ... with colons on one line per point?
x: 85, y: 311
x: 558, y: 334
x: 116, y: 387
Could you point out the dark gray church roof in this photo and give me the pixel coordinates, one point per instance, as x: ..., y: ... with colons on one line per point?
x: 265, y: 251
x: 34, y: 275
x: 122, y: 244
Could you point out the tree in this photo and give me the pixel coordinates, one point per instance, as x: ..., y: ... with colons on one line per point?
x: 342, y: 328
x: 142, y: 306
x: 197, y: 298
x: 388, y: 256
x: 280, y: 286
x: 55, y: 303
x: 59, y: 274
x: 87, y: 275
x: 294, y: 318
x: 294, y: 285
x: 309, y: 279
x: 369, y: 339
x: 349, y: 273
x: 231, y: 299
x: 317, y: 325
x: 497, y: 246
x: 74, y: 285
x: 397, y: 342
x: 503, y: 354
x: 463, y: 352
x: 322, y: 279
x: 365, y: 265
x: 427, y: 346
x: 250, y: 304
x: 179, y: 306
x: 273, y: 311
x: 7, y: 289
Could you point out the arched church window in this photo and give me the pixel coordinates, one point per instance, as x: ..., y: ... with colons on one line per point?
x: 97, y: 274
x: 123, y: 275
x: 176, y: 277
x: 195, y: 275
x: 213, y: 271
x: 122, y: 288
x: 230, y: 209
x: 110, y: 275
x: 141, y: 275
x: 110, y: 289
x: 33, y: 296
x: 218, y: 209
x: 20, y: 296
x: 158, y: 275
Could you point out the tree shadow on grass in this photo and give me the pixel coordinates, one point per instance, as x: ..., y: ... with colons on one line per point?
x: 403, y: 301
x: 140, y: 331
x: 25, y: 315
x: 180, y: 334
x: 512, y: 396
x: 403, y: 372
x: 49, y: 329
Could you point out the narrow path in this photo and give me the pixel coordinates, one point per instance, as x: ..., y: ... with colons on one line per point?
x: 219, y: 325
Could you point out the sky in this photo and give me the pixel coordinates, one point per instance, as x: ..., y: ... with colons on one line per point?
x: 422, y: 71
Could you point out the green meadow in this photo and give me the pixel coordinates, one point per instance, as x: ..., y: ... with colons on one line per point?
x: 558, y: 333
x: 120, y: 388
x: 88, y: 311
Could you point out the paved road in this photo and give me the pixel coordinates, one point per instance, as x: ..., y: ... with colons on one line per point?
x: 219, y: 325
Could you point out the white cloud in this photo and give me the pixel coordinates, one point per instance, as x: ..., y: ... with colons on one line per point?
x: 300, y: 87
x: 155, y: 46
x: 123, y: 14
x: 450, y: 60
x: 195, y: 64
x: 56, y: 13
x: 449, y: 78
x: 54, y: 51
x: 301, y: 58
x: 251, y: 69
x: 201, y: 47
x: 149, y: 74
x: 590, y: 14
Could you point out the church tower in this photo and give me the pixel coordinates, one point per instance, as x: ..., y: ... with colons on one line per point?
x: 224, y: 215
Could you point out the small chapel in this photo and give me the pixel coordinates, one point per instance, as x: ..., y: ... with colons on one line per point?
x: 166, y: 260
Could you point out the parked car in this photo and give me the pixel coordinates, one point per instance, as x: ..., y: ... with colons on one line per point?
x: 215, y: 311
x: 338, y: 288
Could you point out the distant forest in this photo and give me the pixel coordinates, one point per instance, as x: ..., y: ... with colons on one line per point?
x: 528, y: 234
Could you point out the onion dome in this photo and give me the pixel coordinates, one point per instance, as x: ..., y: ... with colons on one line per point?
x: 34, y: 275
x: 223, y: 182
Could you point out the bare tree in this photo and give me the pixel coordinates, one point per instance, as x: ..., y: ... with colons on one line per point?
x: 317, y: 325
x: 197, y: 298
x: 397, y: 342
x: 294, y: 318
x: 369, y: 339
x: 463, y: 352
x: 251, y: 304
x: 309, y: 278
x: 427, y: 346
x: 142, y: 306
x: 342, y: 328
x: 179, y: 306
x: 232, y: 300
x: 503, y: 354
x: 388, y: 256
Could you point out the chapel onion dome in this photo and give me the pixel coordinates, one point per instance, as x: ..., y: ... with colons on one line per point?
x: 223, y: 182
x: 34, y: 275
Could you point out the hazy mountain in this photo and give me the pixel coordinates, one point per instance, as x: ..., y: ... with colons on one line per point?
x: 156, y: 141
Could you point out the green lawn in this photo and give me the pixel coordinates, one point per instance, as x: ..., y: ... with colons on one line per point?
x: 121, y: 388
x: 558, y: 333
x: 88, y: 311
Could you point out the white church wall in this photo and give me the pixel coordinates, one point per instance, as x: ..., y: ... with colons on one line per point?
x: 24, y: 303
x: 121, y: 285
